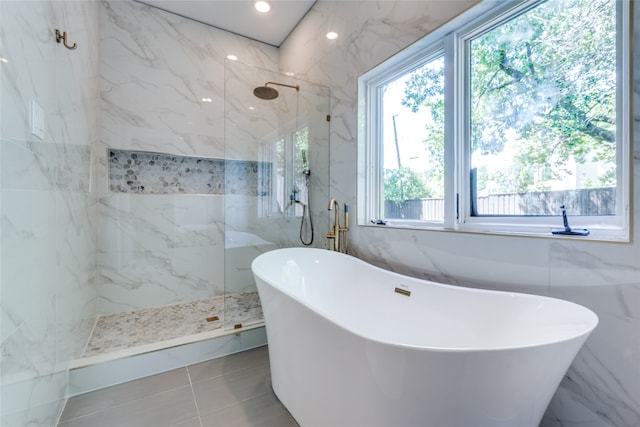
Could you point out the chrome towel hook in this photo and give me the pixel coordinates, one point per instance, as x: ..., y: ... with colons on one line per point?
x: 62, y: 37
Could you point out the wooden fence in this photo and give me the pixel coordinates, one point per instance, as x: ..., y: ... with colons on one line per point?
x: 595, y: 201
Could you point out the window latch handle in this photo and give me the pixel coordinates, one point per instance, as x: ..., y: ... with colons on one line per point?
x: 568, y: 230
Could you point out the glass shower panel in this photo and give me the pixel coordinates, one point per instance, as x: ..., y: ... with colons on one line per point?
x: 276, y: 175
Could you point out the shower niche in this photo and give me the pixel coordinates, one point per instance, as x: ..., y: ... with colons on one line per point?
x: 282, y: 125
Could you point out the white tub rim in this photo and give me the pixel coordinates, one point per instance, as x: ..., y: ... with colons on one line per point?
x: 590, y: 324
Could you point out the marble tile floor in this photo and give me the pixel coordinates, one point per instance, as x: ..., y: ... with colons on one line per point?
x: 231, y: 391
x: 130, y: 329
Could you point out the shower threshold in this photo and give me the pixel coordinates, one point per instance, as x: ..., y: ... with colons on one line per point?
x: 136, y: 332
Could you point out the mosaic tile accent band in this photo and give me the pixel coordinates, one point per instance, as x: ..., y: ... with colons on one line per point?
x: 158, y: 173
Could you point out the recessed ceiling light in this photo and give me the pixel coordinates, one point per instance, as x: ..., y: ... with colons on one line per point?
x: 232, y: 57
x: 207, y: 100
x: 332, y: 35
x: 4, y: 60
x: 262, y: 6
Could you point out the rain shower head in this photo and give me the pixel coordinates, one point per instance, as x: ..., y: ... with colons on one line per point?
x: 265, y: 92
x: 268, y: 93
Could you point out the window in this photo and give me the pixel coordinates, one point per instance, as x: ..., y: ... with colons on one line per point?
x: 414, y: 170
x: 499, y: 118
x: 283, y: 172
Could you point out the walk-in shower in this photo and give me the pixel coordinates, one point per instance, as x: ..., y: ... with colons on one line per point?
x: 286, y: 133
x: 207, y: 218
x: 147, y: 185
x: 299, y: 164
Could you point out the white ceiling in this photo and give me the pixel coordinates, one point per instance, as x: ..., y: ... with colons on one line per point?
x: 240, y: 17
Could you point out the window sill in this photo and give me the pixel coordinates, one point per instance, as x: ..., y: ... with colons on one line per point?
x: 597, y: 234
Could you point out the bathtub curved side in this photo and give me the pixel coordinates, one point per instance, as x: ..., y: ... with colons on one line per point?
x: 331, y: 374
x: 326, y: 375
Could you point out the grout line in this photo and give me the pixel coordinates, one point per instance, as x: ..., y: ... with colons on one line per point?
x: 86, y: 344
x: 245, y: 366
x: 193, y: 393
x: 236, y: 402
x: 124, y: 403
x: 61, y: 410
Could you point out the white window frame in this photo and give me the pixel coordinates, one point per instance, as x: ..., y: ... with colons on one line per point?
x: 452, y: 39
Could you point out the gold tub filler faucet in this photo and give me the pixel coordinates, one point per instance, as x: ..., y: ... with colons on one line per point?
x: 337, y: 235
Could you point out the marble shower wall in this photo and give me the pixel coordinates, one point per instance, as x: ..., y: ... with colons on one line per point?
x: 602, y: 388
x: 47, y: 211
x: 162, y: 91
x: 253, y: 128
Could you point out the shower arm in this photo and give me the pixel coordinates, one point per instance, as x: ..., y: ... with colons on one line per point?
x: 296, y: 87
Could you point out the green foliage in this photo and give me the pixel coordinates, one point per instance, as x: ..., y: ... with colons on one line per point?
x: 544, y: 82
x: 425, y: 88
x: 404, y: 184
x: 301, y: 150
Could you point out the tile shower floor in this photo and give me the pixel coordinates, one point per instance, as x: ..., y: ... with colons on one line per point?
x: 232, y: 391
x: 153, y: 325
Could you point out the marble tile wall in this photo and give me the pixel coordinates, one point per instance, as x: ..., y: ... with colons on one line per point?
x: 602, y: 388
x: 146, y: 73
x: 251, y: 133
x: 155, y: 70
x: 47, y: 211
x: 159, y: 250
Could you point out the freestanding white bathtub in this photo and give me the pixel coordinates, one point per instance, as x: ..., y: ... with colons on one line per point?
x: 353, y: 345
